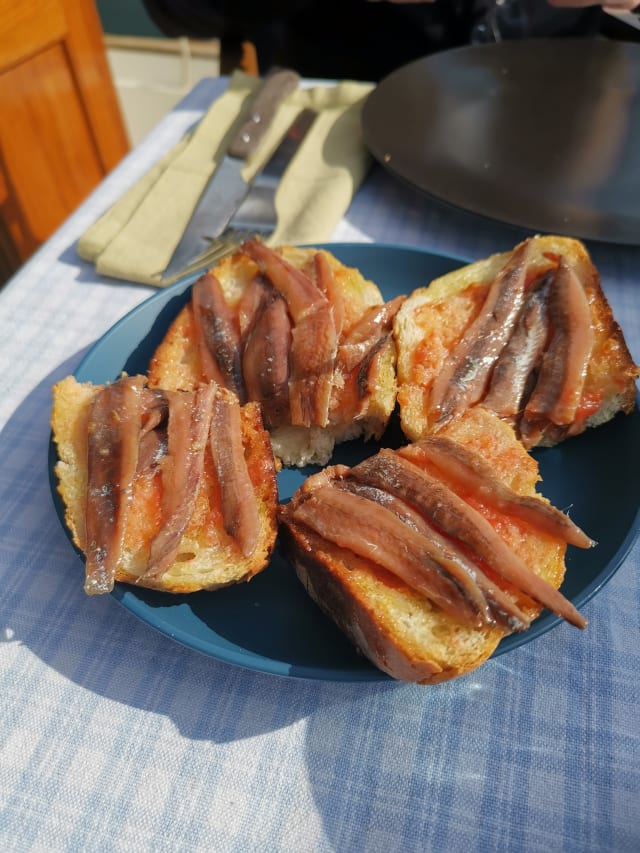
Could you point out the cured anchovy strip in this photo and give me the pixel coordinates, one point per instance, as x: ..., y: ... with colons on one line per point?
x: 377, y: 534
x: 239, y: 504
x: 265, y: 357
x: 153, y: 435
x: 492, y: 603
x: 462, y: 469
x: 357, y: 361
x: 518, y: 361
x: 563, y: 370
x: 463, y: 381
x: 326, y: 281
x: 300, y: 292
x: 217, y: 335
x: 454, y: 517
x: 313, y: 341
x: 250, y: 302
x: 181, y: 470
x: 367, y: 332
x: 113, y: 435
x: 314, y: 345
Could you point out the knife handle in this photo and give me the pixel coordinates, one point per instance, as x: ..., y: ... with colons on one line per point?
x: 274, y: 89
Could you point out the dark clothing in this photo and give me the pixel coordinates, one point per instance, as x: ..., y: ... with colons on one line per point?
x: 353, y: 38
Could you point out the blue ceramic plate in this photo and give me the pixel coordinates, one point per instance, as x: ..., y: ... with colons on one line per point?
x: 270, y: 625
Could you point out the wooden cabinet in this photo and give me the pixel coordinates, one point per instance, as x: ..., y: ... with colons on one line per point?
x: 61, y: 129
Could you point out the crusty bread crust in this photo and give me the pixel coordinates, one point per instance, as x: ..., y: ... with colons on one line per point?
x: 397, y: 629
x: 176, y: 363
x: 208, y: 557
x: 433, y: 319
x: 399, y: 632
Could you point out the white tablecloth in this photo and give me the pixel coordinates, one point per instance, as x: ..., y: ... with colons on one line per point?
x: 114, y: 737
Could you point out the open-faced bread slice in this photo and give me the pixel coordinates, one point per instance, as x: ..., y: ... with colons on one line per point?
x: 528, y: 334
x: 427, y: 556
x: 297, y: 331
x: 169, y: 490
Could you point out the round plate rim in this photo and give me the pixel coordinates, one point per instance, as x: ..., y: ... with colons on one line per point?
x: 125, y: 595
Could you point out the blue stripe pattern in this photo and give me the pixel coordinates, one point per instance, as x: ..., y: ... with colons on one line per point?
x: 115, y: 738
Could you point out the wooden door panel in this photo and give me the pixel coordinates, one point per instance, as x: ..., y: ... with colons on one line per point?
x: 26, y: 28
x: 49, y: 156
x: 88, y: 59
x: 61, y: 129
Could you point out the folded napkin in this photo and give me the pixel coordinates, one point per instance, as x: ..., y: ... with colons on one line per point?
x: 135, y: 239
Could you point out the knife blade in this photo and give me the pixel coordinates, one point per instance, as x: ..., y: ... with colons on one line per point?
x: 226, y: 188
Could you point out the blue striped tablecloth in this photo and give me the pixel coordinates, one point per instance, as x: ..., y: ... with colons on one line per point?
x: 113, y: 737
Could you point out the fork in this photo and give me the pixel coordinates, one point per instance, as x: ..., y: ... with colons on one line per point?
x: 232, y: 238
x: 228, y: 242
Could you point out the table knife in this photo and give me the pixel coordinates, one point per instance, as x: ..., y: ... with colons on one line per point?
x: 226, y: 188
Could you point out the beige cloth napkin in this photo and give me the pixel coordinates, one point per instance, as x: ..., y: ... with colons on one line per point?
x: 134, y: 239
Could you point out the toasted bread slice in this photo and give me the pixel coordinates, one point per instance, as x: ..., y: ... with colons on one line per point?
x: 361, y: 401
x: 207, y: 556
x: 434, y: 320
x: 400, y: 630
